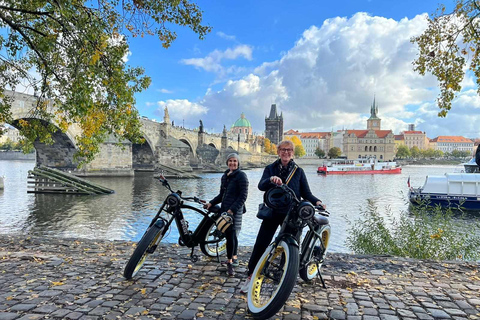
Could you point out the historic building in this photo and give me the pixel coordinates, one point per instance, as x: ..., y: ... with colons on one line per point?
x: 370, y: 143
x: 414, y: 138
x: 450, y: 143
x: 373, y: 122
x: 274, y: 126
x: 242, y: 128
x: 311, y: 141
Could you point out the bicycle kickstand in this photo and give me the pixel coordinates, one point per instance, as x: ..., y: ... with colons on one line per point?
x: 319, y: 274
x: 193, y: 257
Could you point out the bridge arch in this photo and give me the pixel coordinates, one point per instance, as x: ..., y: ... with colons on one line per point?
x: 189, y: 144
x: 60, y: 153
x: 143, y: 156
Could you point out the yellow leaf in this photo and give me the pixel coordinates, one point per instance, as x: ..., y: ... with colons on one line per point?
x: 57, y: 283
x: 9, y: 298
x: 143, y: 291
x: 145, y: 312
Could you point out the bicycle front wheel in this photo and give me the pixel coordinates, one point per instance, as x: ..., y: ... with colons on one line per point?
x: 273, y: 280
x: 213, y: 241
x: 316, y: 254
x: 145, y: 247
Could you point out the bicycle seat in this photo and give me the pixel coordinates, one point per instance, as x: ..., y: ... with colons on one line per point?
x: 320, y: 220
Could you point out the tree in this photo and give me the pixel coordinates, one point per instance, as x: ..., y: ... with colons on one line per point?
x: 415, y: 152
x: 267, y: 146
x: 319, y: 153
x: 273, y: 149
x: 298, y: 146
x: 334, y: 152
x: 403, y: 152
x: 76, y: 50
x: 449, y: 42
x: 299, y: 151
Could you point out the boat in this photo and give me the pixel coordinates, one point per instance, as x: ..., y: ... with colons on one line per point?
x: 358, y: 166
x: 454, y: 190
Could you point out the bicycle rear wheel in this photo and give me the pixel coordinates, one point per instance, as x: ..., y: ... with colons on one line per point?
x: 145, y: 247
x: 270, y: 288
x: 213, y: 241
x: 316, y: 254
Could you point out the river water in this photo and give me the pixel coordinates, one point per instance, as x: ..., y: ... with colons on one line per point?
x: 125, y: 214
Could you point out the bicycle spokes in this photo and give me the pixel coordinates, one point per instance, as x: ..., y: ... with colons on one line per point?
x: 269, y: 277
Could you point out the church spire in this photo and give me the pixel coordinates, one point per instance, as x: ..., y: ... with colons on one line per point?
x: 374, y: 109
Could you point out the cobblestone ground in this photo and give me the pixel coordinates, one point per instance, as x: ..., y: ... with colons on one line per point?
x: 50, y: 278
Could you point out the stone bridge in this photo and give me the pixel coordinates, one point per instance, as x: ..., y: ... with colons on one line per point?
x: 165, y: 145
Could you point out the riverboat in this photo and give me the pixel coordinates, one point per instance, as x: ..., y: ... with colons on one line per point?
x: 358, y: 166
x: 454, y: 190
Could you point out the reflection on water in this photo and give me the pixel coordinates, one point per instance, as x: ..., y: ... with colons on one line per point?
x: 126, y: 213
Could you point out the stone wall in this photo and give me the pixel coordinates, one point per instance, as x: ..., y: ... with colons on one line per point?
x: 142, y: 157
x: 207, y: 154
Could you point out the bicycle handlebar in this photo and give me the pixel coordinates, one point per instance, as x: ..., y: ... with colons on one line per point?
x: 165, y: 183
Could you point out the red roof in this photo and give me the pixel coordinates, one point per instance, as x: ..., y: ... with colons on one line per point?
x: 311, y: 135
x: 451, y: 139
x: 291, y: 132
x: 412, y: 132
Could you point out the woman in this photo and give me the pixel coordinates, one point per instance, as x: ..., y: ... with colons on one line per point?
x: 233, y: 194
x: 276, y: 174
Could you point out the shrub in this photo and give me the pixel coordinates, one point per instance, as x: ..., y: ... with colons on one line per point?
x: 424, y: 233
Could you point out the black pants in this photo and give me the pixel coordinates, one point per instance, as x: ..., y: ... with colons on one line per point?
x: 264, y: 238
x: 232, y: 242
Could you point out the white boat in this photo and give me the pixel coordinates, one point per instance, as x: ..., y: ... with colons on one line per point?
x: 455, y: 190
x: 359, y: 166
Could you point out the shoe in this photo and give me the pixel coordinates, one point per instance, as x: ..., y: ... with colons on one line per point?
x: 234, y: 262
x: 230, y: 270
x: 246, y: 284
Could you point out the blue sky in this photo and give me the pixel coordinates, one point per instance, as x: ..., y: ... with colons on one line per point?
x: 321, y: 62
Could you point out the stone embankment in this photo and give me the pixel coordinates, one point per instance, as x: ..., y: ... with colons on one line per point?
x: 52, y: 278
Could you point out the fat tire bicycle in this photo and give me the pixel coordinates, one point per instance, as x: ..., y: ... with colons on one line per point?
x: 211, y: 241
x: 276, y: 272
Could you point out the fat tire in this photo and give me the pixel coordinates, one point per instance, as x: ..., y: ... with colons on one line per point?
x: 140, y: 253
x: 209, y: 228
x: 304, y: 272
x: 280, y: 296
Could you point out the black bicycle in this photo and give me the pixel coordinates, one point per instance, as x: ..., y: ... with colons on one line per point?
x: 211, y: 241
x: 276, y: 272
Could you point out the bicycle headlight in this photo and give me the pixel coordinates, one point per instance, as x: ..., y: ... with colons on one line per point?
x: 305, y: 210
x: 173, y: 200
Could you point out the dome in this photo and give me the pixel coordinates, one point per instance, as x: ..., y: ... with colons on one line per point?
x: 242, y: 122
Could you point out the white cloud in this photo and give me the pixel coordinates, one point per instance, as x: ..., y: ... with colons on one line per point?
x: 163, y: 90
x: 329, y: 77
x: 213, y: 61
x: 226, y: 36
x: 182, y: 109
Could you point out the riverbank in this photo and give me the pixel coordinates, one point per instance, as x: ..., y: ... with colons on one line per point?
x: 59, y: 278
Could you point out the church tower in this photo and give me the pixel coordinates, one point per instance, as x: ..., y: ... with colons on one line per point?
x: 373, y: 123
x: 274, y: 126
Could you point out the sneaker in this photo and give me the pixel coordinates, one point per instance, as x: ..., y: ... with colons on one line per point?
x: 234, y: 262
x: 246, y: 284
x: 230, y: 270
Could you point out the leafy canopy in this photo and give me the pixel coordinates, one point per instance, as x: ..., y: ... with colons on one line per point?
x: 449, y: 47
x: 72, y: 54
x: 334, y: 152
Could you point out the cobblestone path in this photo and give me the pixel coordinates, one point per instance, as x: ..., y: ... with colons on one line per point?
x: 52, y: 278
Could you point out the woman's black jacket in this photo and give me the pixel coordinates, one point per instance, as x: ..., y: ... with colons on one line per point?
x: 298, y: 183
x: 233, y: 194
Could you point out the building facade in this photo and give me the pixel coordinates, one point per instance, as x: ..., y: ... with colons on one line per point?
x: 451, y: 143
x: 416, y: 139
x: 274, y: 126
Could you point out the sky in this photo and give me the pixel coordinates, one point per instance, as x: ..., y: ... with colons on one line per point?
x: 321, y: 62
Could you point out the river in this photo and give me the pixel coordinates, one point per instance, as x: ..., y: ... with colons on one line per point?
x: 125, y: 214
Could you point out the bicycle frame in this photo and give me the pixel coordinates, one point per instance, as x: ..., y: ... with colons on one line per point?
x: 290, y: 232
x: 174, y: 210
